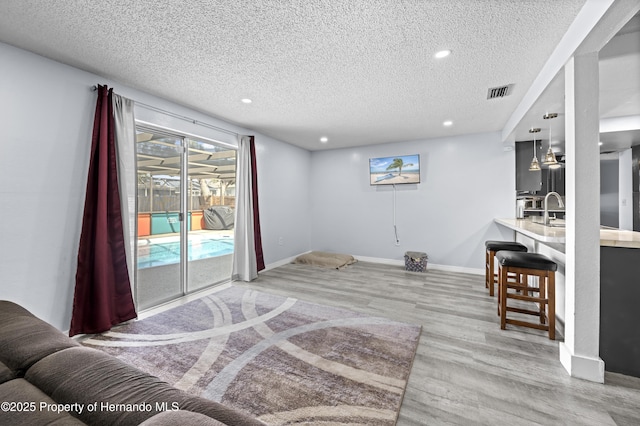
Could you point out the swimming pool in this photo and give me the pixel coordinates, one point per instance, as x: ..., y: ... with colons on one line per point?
x: 162, y: 252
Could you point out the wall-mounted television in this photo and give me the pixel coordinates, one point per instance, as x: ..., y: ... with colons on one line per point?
x: 396, y: 170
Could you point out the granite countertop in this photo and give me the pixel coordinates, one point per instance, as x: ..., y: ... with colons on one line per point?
x: 556, y: 234
x: 619, y: 238
x: 537, y: 231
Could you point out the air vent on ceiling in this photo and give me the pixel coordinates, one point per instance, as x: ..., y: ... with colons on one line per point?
x: 499, y: 92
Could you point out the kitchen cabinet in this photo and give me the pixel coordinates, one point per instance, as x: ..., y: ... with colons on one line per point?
x: 541, y: 181
x: 619, y: 313
x: 553, y: 180
x: 526, y: 180
x: 635, y: 185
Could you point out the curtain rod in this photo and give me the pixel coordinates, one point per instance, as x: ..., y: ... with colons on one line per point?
x: 181, y: 117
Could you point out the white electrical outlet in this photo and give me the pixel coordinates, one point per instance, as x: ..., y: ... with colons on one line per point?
x: 281, y: 241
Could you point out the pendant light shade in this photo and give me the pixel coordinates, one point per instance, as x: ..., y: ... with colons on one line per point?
x: 535, y: 165
x: 550, y: 157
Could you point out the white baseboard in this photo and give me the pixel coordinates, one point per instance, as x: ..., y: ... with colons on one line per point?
x: 581, y: 367
x: 380, y: 260
x: 384, y: 261
x: 400, y: 262
x: 283, y: 261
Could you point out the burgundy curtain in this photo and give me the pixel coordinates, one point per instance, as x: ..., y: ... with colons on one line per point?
x: 103, y: 295
x: 256, y: 210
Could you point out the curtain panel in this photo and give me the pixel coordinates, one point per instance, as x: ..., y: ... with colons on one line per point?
x: 125, y: 135
x: 103, y: 296
x: 248, y: 258
x: 257, y: 241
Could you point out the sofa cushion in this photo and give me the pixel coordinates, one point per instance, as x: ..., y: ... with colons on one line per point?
x: 6, y: 373
x: 26, y: 339
x: 172, y: 418
x: 86, y: 375
x: 29, y: 406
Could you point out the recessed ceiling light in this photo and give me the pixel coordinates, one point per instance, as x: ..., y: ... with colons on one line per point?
x: 447, y: 123
x: 442, y: 54
x: 324, y: 139
x: 246, y: 101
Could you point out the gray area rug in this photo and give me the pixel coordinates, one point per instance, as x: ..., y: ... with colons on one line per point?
x: 280, y: 359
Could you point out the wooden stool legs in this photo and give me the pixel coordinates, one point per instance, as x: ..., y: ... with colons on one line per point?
x: 490, y: 276
x: 545, y: 297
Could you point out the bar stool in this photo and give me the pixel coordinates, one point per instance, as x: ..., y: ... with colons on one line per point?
x: 492, y: 247
x: 524, y: 265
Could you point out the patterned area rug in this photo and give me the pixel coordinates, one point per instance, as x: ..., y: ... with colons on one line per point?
x: 283, y: 360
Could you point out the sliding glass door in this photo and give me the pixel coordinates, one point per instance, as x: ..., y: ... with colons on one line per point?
x: 185, y: 220
x: 159, y: 227
x: 211, y: 206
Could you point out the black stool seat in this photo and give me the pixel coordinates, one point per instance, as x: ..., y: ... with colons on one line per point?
x: 492, y: 247
x: 526, y: 260
x: 504, y: 245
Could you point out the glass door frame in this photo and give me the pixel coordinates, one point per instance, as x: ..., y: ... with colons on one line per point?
x: 183, y: 215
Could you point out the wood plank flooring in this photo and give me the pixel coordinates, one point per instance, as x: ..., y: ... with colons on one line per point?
x: 467, y: 371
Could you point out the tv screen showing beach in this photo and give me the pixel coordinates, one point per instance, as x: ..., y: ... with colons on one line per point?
x: 394, y: 170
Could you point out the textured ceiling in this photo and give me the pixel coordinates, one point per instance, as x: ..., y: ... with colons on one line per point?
x: 359, y: 72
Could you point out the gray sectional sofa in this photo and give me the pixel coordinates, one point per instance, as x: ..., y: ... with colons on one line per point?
x: 46, y: 378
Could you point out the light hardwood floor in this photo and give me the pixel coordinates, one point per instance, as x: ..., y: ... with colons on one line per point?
x: 467, y: 371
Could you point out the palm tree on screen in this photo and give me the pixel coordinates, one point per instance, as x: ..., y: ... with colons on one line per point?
x: 398, y: 164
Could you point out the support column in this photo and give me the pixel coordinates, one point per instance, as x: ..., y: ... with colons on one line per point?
x: 579, y: 353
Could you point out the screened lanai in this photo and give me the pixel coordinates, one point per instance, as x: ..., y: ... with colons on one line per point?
x: 211, y: 173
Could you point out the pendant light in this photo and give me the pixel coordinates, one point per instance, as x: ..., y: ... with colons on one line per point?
x: 535, y: 165
x: 550, y: 157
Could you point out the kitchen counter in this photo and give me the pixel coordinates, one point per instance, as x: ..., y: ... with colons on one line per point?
x: 619, y: 343
x: 619, y: 238
x: 537, y: 231
x: 553, y: 235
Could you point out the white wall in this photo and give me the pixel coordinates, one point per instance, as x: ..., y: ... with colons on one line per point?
x: 466, y: 182
x: 46, y: 113
x: 284, y: 198
x: 46, y: 121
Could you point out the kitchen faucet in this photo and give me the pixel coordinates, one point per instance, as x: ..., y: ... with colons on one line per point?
x: 546, y: 205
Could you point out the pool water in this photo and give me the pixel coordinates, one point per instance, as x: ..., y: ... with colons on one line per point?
x: 167, y: 253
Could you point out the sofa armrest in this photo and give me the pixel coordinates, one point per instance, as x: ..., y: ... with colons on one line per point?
x: 26, y: 339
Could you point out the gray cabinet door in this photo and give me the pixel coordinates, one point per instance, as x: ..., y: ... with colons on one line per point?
x: 526, y: 180
x: 553, y: 180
